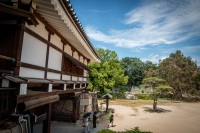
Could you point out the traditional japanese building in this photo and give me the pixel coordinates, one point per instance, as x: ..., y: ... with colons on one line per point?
x: 44, y: 53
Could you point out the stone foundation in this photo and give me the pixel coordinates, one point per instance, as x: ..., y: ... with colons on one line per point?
x: 88, y: 103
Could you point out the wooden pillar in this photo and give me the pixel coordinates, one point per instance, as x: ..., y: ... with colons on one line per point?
x: 19, y: 36
x: 74, y: 117
x: 107, y: 104
x: 78, y: 107
x: 47, y: 55
x: 47, y: 122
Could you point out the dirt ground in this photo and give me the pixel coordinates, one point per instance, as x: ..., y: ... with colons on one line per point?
x: 176, y: 118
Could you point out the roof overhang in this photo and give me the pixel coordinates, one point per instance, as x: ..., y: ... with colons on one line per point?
x: 61, y: 16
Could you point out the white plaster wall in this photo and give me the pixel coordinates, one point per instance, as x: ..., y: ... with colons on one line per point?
x: 85, y: 62
x: 51, y: 75
x: 80, y: 79
x: 81, y: 59
x: 74, y: 78
x: 68, y: 50
x: 27, y: 72
x: 84, y: 79
x: 33, y: 51
x: 55, y: 59
x: 66, y: 77
x: 84, y: 73
x: 39, y: 29
x: 75, y: 55
x: 56, y: 41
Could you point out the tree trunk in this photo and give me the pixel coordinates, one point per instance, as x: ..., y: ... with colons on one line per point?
x: 107, y: 102
x: 155, y: 103
x: 101, y: 90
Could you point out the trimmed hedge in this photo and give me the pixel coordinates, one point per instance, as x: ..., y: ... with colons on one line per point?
x: 135, y: 130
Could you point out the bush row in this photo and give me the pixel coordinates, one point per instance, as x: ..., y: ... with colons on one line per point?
x: 135, y: 130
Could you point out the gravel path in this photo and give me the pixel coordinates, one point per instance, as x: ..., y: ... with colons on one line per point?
x: 177, y: 118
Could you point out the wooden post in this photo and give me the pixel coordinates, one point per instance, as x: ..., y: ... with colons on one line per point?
x: 74, y: 117
x: 47, y: 122
x: 78, y: 107
x: 107, y: 104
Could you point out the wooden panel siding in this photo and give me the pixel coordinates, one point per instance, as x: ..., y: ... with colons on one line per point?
x: 8, y: 103
x: 8, y: 47
x: 5, y: 9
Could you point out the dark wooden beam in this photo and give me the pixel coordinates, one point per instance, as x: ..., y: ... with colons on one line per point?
x: 13, y: 11
x: 31, y: 66
x: 74, y: 112
x: 47, y: 122
x: 47, y: 55
x: 9, y: 10
x: 23, y: 98
x: 36, y: 103
x: 19, y: 40
x: 35, y: 35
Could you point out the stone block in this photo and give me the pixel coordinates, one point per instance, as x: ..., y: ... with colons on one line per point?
x: 87, y: 96
x: 88, y: 108
x: 86, y: 101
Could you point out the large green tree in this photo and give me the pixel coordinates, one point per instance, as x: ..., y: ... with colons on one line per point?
x: 181, y: 73
x: 134, y: 69
x: 157, y: 86
x: 107, y: 74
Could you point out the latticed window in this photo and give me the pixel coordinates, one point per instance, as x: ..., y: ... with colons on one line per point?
x: 71, y: 67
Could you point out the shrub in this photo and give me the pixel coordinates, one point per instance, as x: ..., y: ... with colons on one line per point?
x: 143, y: 96
x: 118, y: 95
x: 167, y: 96
x: 135, y: 130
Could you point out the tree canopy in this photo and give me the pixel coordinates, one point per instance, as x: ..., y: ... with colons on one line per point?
x: 135, y: 69
x: 107, y: 74
x: 181, y: 73
x: 157, y: 85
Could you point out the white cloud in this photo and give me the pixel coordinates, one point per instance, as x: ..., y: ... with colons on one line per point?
x: 139, y: 49
x: 160, y: 22
x: 154, y: 58
x: 99, y: 46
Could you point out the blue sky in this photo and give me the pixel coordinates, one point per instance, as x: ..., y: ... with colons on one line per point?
x: 146, y: 29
